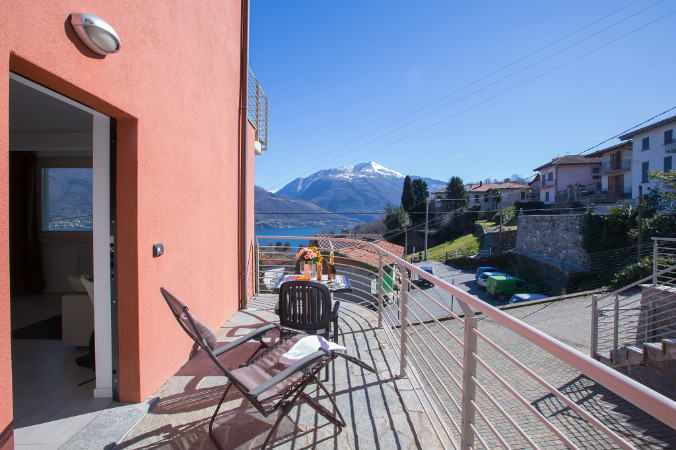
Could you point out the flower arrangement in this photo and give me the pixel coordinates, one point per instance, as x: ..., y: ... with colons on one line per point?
x: 310, y: 255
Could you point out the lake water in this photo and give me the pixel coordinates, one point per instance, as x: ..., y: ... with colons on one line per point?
x: 308, y: 231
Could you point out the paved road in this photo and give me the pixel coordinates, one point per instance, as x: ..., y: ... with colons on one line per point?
x: 431, y: 297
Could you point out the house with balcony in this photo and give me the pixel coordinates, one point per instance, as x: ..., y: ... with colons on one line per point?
x: 129, y: 157
x: 616, y: 171
x: 569, y: 178
x: 654, y: 148
x: 491, y: 196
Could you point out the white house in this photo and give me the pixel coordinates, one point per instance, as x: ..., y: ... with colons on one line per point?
x: 510, y: 193
x: 653, y: 149
x: 616, y: 170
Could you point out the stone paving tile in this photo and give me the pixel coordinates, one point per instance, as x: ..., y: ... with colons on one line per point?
x: 379, y: 409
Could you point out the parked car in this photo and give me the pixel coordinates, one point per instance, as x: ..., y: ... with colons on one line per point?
x: 424, y: 282
x: 504, y: 286
x: 483, y: 269
x: 518, y: 298
x: 481, y: 281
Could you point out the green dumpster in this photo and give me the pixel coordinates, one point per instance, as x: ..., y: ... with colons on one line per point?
x: 387, y: 281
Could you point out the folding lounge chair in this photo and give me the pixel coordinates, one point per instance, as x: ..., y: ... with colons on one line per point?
x: 262, y: 379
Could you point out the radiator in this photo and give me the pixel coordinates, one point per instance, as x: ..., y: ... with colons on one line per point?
x: 85, y: 261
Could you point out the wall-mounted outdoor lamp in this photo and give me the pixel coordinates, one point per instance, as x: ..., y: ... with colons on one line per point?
x: 96, y: 33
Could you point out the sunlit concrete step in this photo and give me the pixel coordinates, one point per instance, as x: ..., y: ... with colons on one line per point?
x: 669, y: 348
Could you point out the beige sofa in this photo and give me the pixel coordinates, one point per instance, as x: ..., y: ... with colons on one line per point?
x: 77, y: 314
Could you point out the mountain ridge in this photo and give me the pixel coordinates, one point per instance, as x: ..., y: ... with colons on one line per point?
x: 268, y: 205
x: 361, y: 188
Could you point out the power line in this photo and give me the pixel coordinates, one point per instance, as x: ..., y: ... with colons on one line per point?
x: 628, y: 129
x: 480, y: 89
x: 516, y: 86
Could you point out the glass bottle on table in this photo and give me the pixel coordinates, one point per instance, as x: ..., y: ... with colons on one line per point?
x: 332, y: 268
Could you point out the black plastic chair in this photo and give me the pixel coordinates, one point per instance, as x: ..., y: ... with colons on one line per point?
x: 306, y: 306
x: 260, y: 379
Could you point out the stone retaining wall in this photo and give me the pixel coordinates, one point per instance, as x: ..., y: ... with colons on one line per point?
x: 556, y: 236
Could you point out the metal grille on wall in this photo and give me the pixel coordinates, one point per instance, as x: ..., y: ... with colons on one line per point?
x: 257, y: 107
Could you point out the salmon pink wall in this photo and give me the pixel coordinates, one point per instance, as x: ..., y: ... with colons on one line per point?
x: 174, y: 89
x: 250, y: 218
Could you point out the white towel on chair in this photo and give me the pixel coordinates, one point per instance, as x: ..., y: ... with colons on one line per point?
x: 307, y: 346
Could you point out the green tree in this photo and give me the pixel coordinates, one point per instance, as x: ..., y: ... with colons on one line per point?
x: 455, y: 191
x: 396, y: 219
x: 421, y: 194
x: 666, y: 182
x: 407, y: 195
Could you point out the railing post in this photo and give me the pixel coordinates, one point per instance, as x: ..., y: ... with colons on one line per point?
x: 616, y: 325
x: 594, y: 329
x: 656, y: 253
x: 468, y: 373
x: 381, y: 280
x: 257, y: 259
x: 403, y: 322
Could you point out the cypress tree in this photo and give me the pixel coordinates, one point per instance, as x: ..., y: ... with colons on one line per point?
x: 407, y: 196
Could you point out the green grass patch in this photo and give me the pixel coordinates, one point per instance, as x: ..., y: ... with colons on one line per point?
x: 468, y: 244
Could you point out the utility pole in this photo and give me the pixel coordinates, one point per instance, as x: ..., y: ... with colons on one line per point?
x: 406, y: 242
x: 427, y: 213
x: 640, y: 220
x: 500, y: 221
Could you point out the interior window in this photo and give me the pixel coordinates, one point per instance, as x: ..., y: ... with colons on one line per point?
x: 67, y: 199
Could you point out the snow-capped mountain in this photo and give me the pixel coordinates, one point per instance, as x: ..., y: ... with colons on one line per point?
x: 365, y: 187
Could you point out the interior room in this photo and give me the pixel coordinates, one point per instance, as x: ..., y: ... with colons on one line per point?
x: 51, y: 266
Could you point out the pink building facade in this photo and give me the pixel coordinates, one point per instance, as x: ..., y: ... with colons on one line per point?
x: 171, y: 152
x: 562, y: 174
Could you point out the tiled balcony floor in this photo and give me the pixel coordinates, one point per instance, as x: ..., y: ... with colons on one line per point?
x: 384, y: 412
x: 381, y: 411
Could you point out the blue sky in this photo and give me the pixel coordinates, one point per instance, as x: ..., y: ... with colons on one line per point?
x: 481, y: 89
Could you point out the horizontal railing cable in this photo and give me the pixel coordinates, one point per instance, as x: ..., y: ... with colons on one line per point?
x: 523, y: 401
x: 488, y: 423
x: 428, y: 350
x: 394, y: 342
x: 553, y: 390
x: 478, y: 436
x: 506, y: 415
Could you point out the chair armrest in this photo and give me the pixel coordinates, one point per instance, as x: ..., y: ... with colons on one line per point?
x: 254, y: 335
x: 336, y: 306
x: 286, y: 373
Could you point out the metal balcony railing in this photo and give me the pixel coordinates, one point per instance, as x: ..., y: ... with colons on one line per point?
x: 257, y: 110
x: 457, y: 362
x: 624, y: 318
x: 616, y: 166
x: 670, y: 147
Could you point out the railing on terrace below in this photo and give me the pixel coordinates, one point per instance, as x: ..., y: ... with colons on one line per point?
x: 612, y: 166
x: 544, y: 182
x: 628, y: 318
x: 461, y: 353
x: 257, y: 110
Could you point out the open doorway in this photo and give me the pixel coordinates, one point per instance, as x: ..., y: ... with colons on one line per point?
x: 59, y: 231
